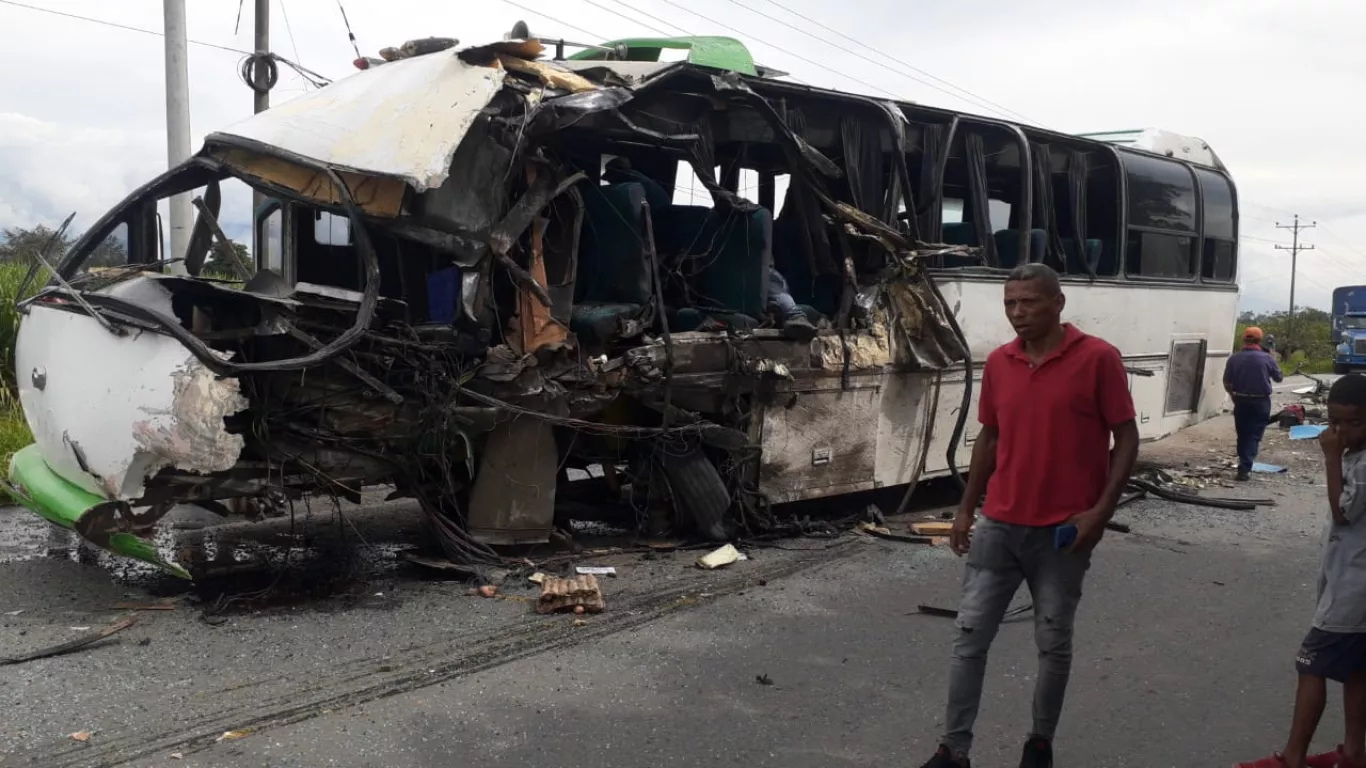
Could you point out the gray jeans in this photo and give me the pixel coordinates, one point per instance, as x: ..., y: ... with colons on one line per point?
x: 1000, y: 558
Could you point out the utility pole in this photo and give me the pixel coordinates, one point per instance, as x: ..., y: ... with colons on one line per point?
x: 177, y: 123
x: 260, y: 80
x: 1294, y: 249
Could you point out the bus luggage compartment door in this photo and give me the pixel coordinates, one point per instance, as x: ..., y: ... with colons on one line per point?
x: 819, y: 439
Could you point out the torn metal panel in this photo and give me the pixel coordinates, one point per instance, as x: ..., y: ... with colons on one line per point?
x: 404, y: 119
x: 917, y: 317
x: 534, y: 327
x: 513, y: 501
x: 376, y: 195
x: 869, y: 350
x: 109, y: 411
x: 550, y: 75
x: 189, y: 434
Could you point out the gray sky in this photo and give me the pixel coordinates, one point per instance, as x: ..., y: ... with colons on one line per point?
x: 1267, y: 83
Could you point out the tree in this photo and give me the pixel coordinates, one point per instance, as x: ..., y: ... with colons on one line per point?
x: 221, y: 268
x: 22, y: 245
x: 1312, y: 341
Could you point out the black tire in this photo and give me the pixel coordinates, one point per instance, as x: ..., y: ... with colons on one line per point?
x: 699, y: 493
x: 1341, y: 369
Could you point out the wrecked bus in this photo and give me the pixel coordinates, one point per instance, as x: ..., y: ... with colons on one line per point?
x: 477, y: 276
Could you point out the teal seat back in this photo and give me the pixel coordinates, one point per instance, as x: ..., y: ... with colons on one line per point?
x: 1008, y: 247
x: 734, y: 274
x: 612, y: 259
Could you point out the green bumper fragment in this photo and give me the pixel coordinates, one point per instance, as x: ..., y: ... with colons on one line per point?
x: 34, y: 485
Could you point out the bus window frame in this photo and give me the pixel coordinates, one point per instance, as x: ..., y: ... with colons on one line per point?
x: 287, y: 213
x: 1198, y: 234
x: 1121, y: 191
x: 1233, y: 200
x: 1026, y: 203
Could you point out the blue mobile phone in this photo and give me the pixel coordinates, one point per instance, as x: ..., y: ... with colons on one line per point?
x: 1064, y: 536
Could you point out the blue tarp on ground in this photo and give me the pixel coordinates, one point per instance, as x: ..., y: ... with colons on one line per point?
x: 1307, y: 431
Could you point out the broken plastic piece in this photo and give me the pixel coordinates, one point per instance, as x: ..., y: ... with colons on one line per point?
x: 81, y: 736
x: 595, y: 570
x: 720, y: 558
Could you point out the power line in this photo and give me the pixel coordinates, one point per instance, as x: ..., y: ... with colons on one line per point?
x: 974, y: 99
x: 890, y: 57
x: 349, y: 34
x: 284, y: 11
x: 642, y: 13
x: 1342, y: 241
x: 116, y: 25
x: 775, y: 47
x: 561, y: 22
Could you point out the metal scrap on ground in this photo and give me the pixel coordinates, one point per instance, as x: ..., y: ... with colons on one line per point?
x: 71, y: 645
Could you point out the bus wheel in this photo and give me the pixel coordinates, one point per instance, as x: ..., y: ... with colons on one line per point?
x: 1341, y: 368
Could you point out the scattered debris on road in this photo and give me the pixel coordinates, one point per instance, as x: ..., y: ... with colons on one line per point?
x: 932, y: 528
x: 719, y: 558
x: 160, y: 605
x: 595, y: 570
x: 580, y: 594
x: 882, y: 532
x: 81, y: 736
x: 71, y: 645
x: 763, y: 679
x: 234, y: 735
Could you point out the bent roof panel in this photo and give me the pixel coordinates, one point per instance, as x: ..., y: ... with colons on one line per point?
x: 404, y: 119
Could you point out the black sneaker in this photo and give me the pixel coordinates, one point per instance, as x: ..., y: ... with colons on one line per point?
x: 798, y: 328
x: 1243, y: 476
x: 944, y: 759
x: 1038, y: 753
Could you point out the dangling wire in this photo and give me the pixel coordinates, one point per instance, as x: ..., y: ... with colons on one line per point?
x: 349, y: 34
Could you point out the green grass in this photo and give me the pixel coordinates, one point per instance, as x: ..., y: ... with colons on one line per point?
x: 14, y: 431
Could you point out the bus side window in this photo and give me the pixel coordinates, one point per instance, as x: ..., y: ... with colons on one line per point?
x: 1161, y: 241
x: 1219, y: 257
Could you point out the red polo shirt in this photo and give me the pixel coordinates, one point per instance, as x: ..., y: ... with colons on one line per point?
x: 1054, y: 418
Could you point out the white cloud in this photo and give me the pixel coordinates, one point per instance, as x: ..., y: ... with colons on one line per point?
x: 1273, y: 92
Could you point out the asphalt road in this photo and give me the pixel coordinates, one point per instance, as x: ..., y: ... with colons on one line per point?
x: 1185, y: 652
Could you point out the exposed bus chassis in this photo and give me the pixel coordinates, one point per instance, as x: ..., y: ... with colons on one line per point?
x: 345, y: 380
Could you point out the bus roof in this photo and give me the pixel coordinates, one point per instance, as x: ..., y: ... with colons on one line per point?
x: 1160, y: 142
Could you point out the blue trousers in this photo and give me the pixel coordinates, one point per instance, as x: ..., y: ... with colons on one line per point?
x: 1250, y: 417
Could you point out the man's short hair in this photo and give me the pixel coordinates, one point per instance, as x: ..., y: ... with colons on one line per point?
x: 1348, y: 390
x: 1043, y: 273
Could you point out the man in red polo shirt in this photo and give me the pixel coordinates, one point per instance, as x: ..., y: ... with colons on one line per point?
x: 1050, y: 402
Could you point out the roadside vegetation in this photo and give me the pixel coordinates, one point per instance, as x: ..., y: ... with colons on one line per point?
x: 1310, y: 343
x: 14, y: 431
